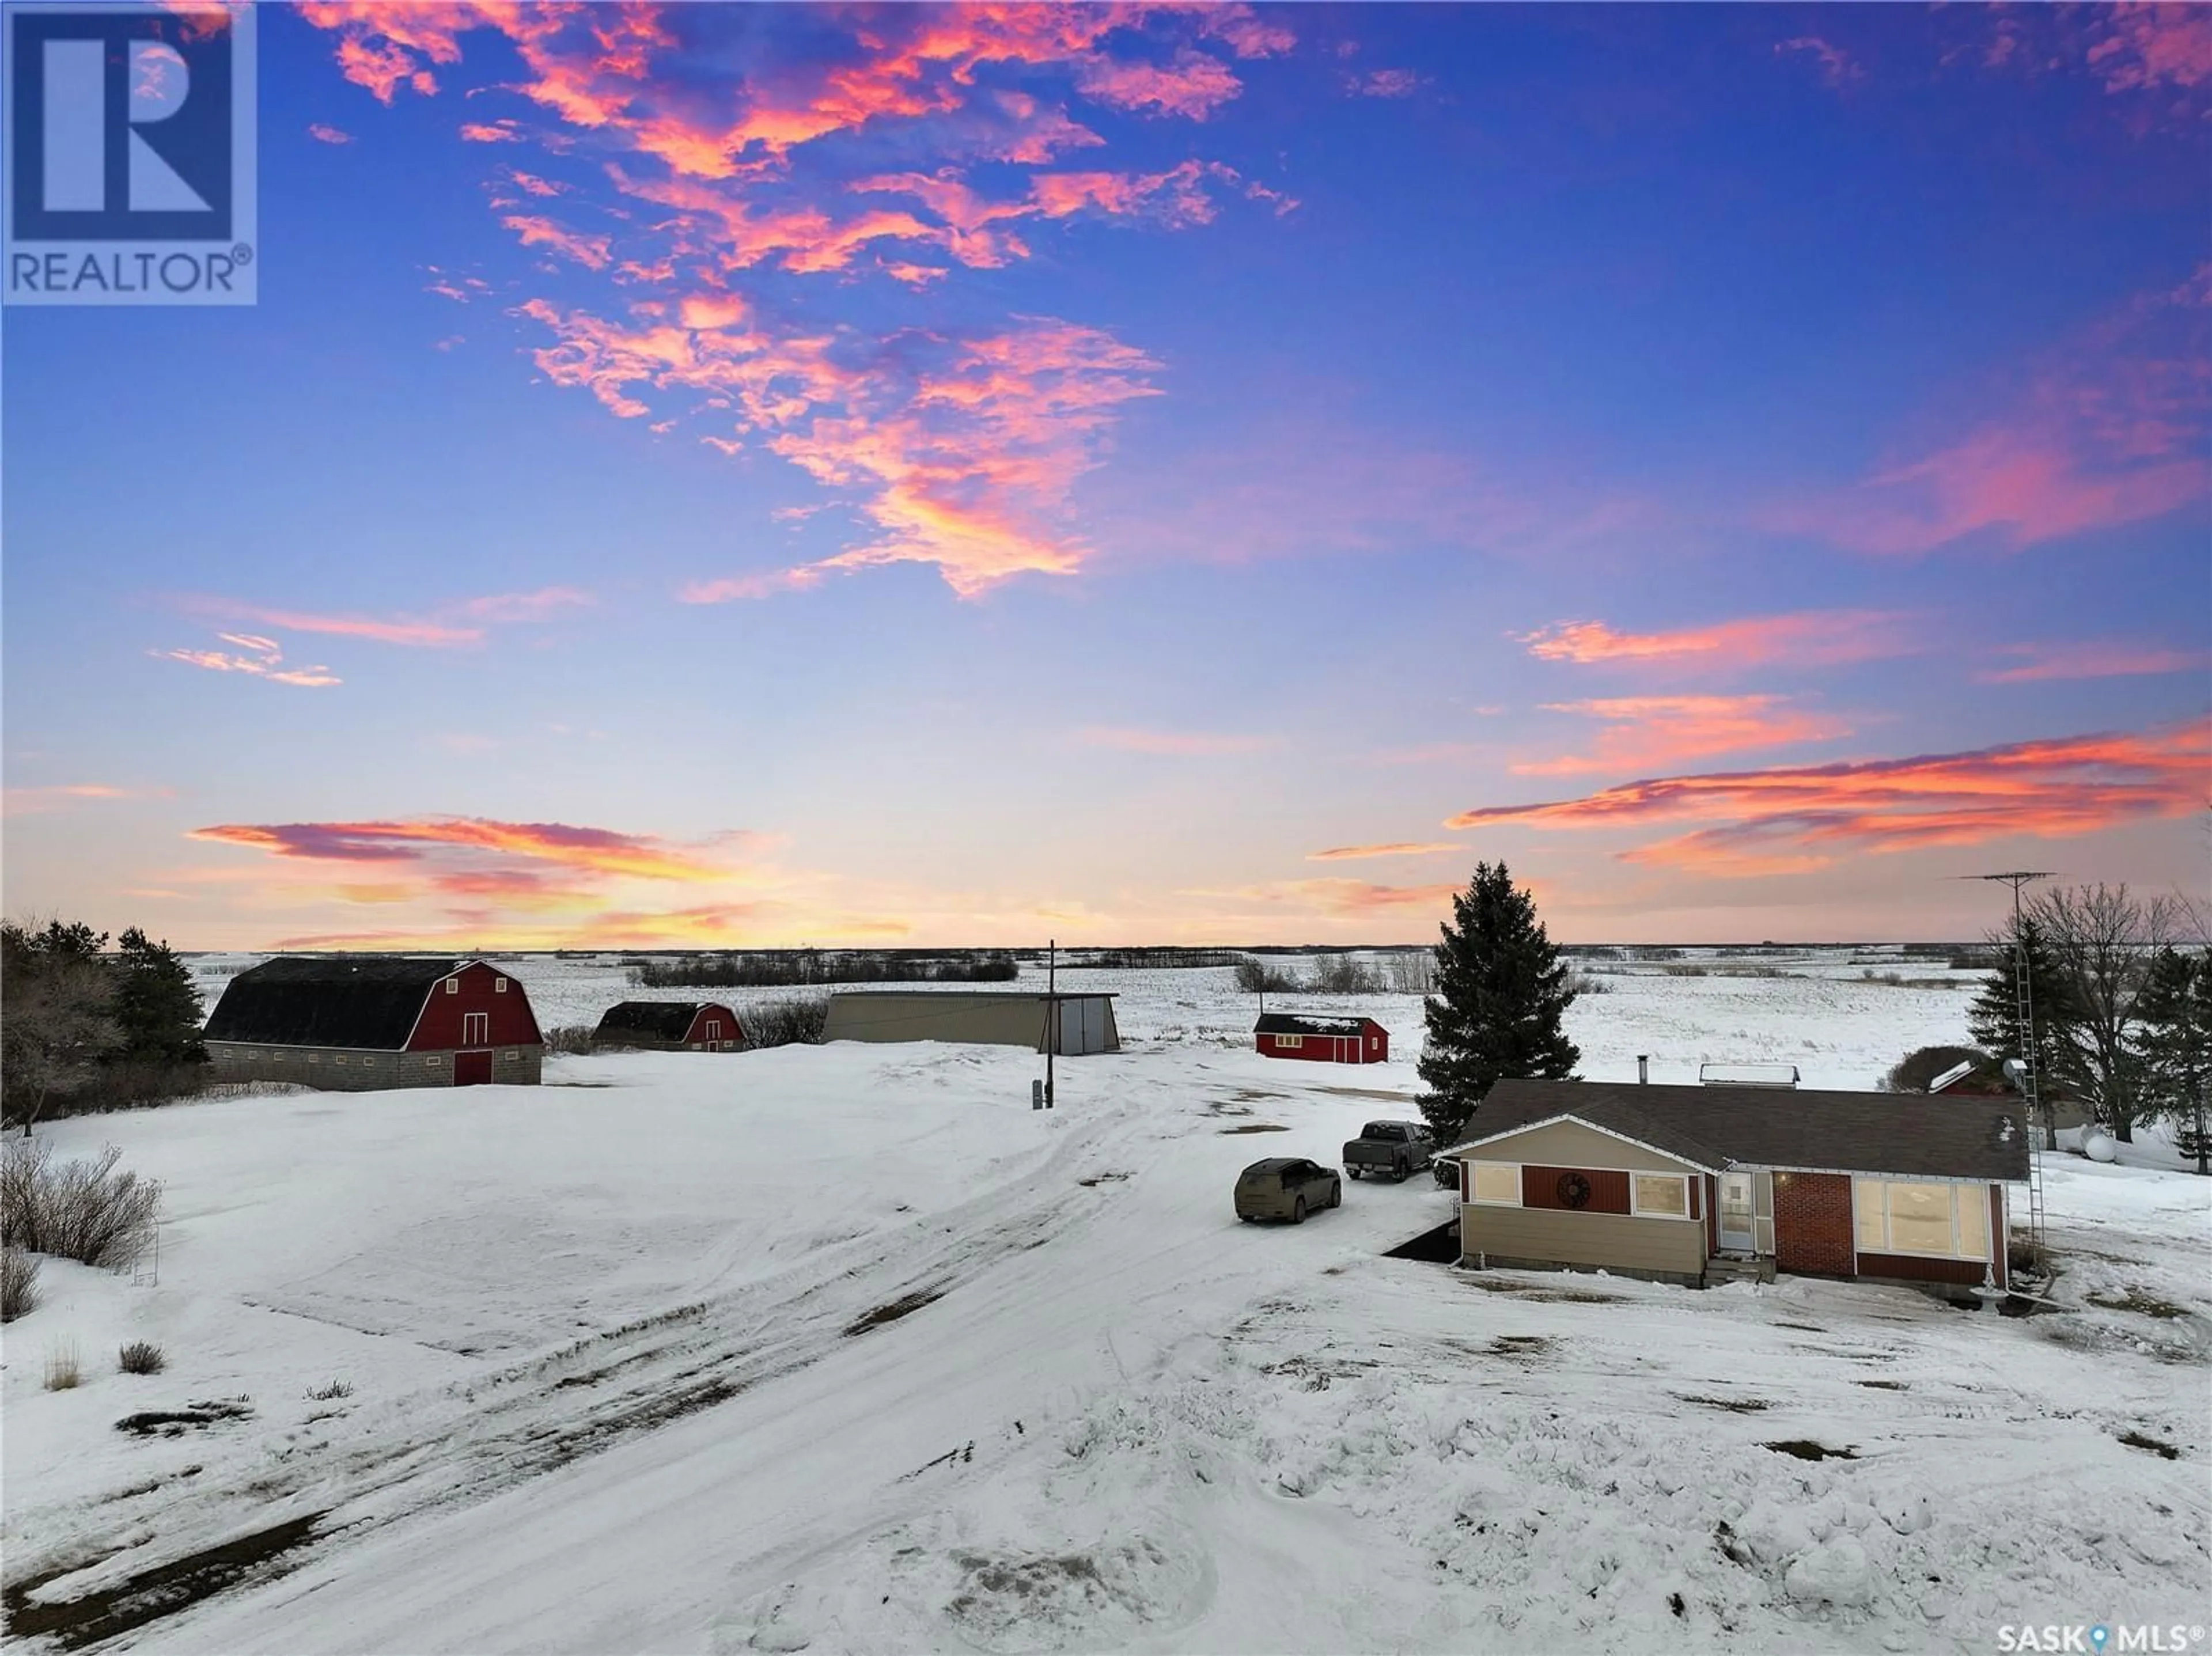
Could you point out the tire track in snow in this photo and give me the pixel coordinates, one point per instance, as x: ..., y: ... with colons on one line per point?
x: 469, y: 1439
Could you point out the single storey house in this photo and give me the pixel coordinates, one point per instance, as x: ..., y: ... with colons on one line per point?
x: 1073, y: 1023
x: 1698, y: 1183
x: 362, y: 1022
x: 670, y: 1026
x: 1322, y: 1041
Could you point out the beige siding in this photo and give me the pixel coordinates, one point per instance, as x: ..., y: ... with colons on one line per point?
x: 1012, y: 1020
x: 1570, y: 1144
x: 1567, y: 1237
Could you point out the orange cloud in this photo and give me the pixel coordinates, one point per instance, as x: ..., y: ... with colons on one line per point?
x: 1181, y: 744
x: 1345, y: 897
x: 592, y: 251
x: 1395, y: 848
x: 1820, y: 638
x: 2091, y: 658
x: 1664, y: 730
x: 31, y: 802
x: 464, y: 624
x: 2056, y: 788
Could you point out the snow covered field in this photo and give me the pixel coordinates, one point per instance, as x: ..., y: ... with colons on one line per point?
x: 845, y: 1349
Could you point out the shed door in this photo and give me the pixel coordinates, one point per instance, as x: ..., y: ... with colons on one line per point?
x: 471, y: 1069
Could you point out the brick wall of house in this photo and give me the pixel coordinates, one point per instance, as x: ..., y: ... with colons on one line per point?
x: 1813, y: 1223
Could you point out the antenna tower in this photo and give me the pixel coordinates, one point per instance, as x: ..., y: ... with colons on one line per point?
x: 2031, y: 1083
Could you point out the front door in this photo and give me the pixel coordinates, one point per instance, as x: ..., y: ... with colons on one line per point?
x: 471, y: 1069
x: 1736, y: 1213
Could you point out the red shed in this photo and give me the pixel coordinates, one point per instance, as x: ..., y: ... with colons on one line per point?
x: 673, y: 1026
x: 1323, y: 1041
x: 362, y: 1022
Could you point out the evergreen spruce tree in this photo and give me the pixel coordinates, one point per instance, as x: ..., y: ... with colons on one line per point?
x: 157, y: 1003
x: 1993, y: 1019
x: 2171, y: 1045
x: 1500, y: 995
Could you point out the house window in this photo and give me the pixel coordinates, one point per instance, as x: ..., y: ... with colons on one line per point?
x: 1660, y: 1195
x: 499, y: 985
x: 1944, y: 1221
x: 340, y: 1058
x: 453, y: 985
x: 1495, y: 1182
x: 314, y: 1057
x: 1290, y: 1041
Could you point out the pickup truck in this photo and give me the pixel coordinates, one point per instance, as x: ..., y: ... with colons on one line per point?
x: 1398, y: 1149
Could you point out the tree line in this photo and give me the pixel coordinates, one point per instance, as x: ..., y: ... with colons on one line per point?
x: 84, y: 1027
x: 795, y: 969
x: 2121, y: 1002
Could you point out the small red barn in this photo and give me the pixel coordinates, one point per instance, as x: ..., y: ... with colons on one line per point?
x: 361, y: 1022
x: 1323, y: 1041
x: 672, y: 1026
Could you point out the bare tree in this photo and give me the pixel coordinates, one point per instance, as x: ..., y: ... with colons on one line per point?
x: 2102, y: 938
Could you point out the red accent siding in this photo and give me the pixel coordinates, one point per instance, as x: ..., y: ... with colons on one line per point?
x: 1371, y: 1046
x: 2000, y: 1249
x: 511, y: 1023
x: 1812, y: 1224
x: 731, y: 1029
x: 1918, y: 1268
x: 1710, y: 1186
x: 1540, y: 1188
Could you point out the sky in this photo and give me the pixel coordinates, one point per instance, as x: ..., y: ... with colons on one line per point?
x: 758, y: 475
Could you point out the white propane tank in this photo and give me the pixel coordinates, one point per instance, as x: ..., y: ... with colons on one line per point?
x: 2097, y: 1144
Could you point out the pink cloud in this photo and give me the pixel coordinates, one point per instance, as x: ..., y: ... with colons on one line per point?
x: 504, y: 131
x: 1665, y: 730
x: 599, y: 852
x: 2091, y: 658
x: 261, y: 658
x: 35, y: 800
x: 328, y: 134
x: 1384, y: 83
x: 1837, y: 67
x: 733, y: 588
x: 1193, y: 86
x: 589, y: 251
x: 2146, y: 45
x: 1393, y: 848
x: 1801, y: 637
x: 1350, y: 899
x: 1799, y: 817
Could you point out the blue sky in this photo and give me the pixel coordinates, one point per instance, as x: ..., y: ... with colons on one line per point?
x: 758, y: 476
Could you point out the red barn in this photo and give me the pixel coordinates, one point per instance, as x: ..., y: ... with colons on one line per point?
x: 1323, y: 1041
x: 671, y: 1026
x: 361, y: 1022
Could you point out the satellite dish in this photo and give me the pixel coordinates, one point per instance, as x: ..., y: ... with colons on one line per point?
x: 2015, y: 1071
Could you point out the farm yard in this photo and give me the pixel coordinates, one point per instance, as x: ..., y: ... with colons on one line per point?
x: 845, y: 1348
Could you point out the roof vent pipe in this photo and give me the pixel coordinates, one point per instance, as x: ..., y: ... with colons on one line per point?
x: 1644, y: 1069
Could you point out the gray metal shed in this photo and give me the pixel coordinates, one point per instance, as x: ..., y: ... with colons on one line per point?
x: 995, y: 1017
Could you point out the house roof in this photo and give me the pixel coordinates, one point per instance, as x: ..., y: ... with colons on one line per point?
x: 339, y: 1000
x: 664, y: 1020
x: 1905, y: 1134
x: 1293, y: 1023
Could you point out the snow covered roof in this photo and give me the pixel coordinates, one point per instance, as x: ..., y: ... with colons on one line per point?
x: 1904, y: 1134
x: 332, y: 1000
x: 664, y: 1020
x: 1294, y: 1023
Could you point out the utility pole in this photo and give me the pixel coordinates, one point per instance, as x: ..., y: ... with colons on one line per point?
x: 1051, y: 1012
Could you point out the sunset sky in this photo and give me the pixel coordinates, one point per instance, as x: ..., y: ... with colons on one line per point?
x: 760, y: 476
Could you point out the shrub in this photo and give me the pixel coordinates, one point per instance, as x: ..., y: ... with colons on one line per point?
x: 1588, y: 983
x: 141, y: 1357
x: 64, y: 1372
x: 83, y: 1210
x: 573, y: 1039
x: 1414, y: 974
x: 1912, y: 1073
x: 330, y: 1393
x: 1685, y: 971
x: 796, y: 1022
x: 1255, y: 977
x: 1340, y: 975
x: 19, y: 1283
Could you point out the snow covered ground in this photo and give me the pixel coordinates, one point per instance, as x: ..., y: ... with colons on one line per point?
x: 845, y: 1349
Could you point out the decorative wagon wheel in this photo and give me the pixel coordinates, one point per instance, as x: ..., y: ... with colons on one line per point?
x: 1574, y: 1190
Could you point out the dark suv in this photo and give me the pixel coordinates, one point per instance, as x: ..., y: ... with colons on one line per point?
x: 1286, y: 1187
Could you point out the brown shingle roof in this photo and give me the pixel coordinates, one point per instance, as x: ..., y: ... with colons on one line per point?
x: 1909, y: 1134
